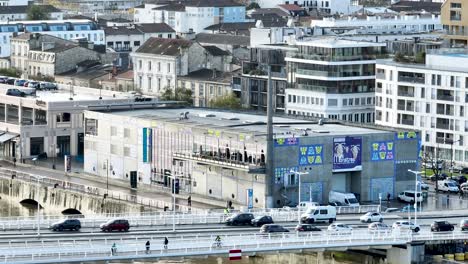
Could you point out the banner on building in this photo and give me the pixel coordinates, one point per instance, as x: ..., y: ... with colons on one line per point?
x: 382, y: 150
x: 347, y: 154
x: 286, y: 142
x: 311, y: 155
x: 147, y: 144
x: 249, y: 198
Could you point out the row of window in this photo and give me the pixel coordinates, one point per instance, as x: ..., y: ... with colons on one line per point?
x: 331, y: 102
x: 150, y: 66
x: 356, y: 117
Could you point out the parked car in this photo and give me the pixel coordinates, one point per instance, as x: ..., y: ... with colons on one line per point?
x: 406, y: 225
x: 3, y: 79
x: 424, y: 186
x: 66, y: 224
x: 33, y: 84
x: 262, y: 220
x: 273, y: 228
x: 307, y: 228
x: 408, y: 196
x: 40, y: 156
x: 459, y: 179
x: 20, y: 82
x: 15, y: 92
x: 464, y: 170
x: 440, y: 178
x: 10, y: 81
x: 115, y: 224
x: 447, y: 186
x: 371, y: 217
x: 464, y: 225
x: 47, y: 86
x: 240, y: 219
x: 339, y: 228
x: 378, y: 227
x: 438, y: 226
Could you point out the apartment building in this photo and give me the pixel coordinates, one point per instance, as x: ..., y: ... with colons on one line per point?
x: 455, y: 21
x: 325, y: 6
x: 429, y: 97
x: 333, y: 78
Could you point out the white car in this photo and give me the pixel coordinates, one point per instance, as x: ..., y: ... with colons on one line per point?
x: 406, y: 225
x: 371, y: 217
x: 424, y: 186
x: 378, y: 227
x: 340, y: 228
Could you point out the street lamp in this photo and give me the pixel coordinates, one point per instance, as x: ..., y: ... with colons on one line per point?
x: 174, y: 178
x: 299, y: 193
x: 38, y: 206
x: 415, y: 193
x: 13, y: 175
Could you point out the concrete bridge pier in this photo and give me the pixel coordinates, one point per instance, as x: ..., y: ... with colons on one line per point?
x: 411, y: 253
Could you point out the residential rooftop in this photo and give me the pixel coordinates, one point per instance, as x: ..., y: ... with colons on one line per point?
x: 333, y: 42
x: 223, y: 39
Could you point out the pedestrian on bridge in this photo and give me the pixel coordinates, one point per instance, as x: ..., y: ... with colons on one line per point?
x: 113, y: 249
x: 147, y: 247
x: 14, y: 161
x: 166, y: 241
x: 189, y: 201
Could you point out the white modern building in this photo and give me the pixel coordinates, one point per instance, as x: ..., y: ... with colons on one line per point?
x: 67, y: 29
x: 191, y: 16
x: 431, y: 98
x: 333, y: 78
x: 14, y: 2
x: 400, y: 24
x: 326, y: 6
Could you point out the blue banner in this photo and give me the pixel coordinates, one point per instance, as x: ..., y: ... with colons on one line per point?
x: 147, y: 140
x: 347, y: 154
x: 286, y: 142
x: 382, y: 150
x: 249, y: 198
x: 311, y: 155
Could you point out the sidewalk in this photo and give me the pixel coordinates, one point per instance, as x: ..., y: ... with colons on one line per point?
x: 44, y: 168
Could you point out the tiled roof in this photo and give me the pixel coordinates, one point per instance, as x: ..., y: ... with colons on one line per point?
x: 180, y: 5
x: 138, y: 29
x: 162, y: 46
x: 209, y: 75
x: 215, y: 51
x: 125, y: 75
x: 223, y: 39
x: 155, y: 27
x: 122, y: 30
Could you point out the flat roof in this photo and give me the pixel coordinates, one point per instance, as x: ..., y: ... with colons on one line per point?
x: 333, y: 42
x: 241, y: 122
x: 445, y: 68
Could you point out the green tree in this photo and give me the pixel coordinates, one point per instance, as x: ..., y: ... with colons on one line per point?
x: 226, y: 102
x: 420, y: 57
x: 10, y: 72
x: 179, y: 94
x: 400, y: 57
x: 252, y: 6
x: 37, y: 12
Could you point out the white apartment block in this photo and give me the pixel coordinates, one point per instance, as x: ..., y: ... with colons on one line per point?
x: 333, y: 78
x: 384, y: 24
x: 326, y: 6
x: 429, y: 97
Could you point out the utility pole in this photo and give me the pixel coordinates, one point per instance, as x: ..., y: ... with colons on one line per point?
x: 270, y: 179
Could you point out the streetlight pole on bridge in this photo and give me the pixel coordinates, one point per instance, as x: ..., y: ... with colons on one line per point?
x: 299, y: 174
x: 416, y: 194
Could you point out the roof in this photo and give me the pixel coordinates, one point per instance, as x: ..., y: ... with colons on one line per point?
x: 210, y: 75
x: 177, y: 7
x: 180, y: 5
x: 270, y: 20
x: 332, y: 42
x: 122, y: 30
x: 119, y: 20
x: 163, y: 46
x: 215, y: 51
x: 270, y: 11
x: 24, y: 9
x: 60, y: 47
x: 224, y: 39
x: 291, y: 7
x: 408, y: 6
x: 154, y: 27
x: 242, y: 122
x: 125, y: 75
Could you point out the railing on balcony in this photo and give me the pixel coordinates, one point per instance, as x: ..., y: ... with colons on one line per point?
x: 235, y: 160
x: 409, y: 122
x: 444, y: 126
x: 411, y: 79
x: 445, y: 97
x: 406, y: 94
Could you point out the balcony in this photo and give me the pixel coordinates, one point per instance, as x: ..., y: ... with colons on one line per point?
x: 210, y: 158
x: 327, y: 57
x: 406, y: 94
x: 408, y: 79
x: 409, y: 122
x: 445, y: 126
x: 445, y: 97
x: 380, y: 76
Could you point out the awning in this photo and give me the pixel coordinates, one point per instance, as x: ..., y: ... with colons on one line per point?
x: 5, y: 136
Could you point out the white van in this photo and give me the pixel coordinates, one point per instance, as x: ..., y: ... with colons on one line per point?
x: 408, y: 196
x: 345, y: 199
x: 447, y: 186
x: 319, y: 214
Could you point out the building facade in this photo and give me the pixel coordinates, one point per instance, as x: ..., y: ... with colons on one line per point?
x: 454, y: 15
x: 324, y: 6
x: 429, y: 97
x: 222, y: 155
x: 333, y: 78
x: 20, y: 12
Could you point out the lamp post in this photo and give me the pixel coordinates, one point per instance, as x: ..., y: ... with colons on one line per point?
x: 174, y: 178
x: 415, y: 194
x: 107, y: 177
x: 299, y: 193
x: 100, y: 89
x: 9, y: 192
x: 38, y: 206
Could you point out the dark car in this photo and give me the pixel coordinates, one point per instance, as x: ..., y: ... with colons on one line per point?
x: 464, y: 170
x: 40, y: 156
x: 440, y: 178
x: 262, y: 220
x: 307, y: 228
x: 459, y: 179
x: 240, y: 219
x: 272, y: 228
x: 66, y: 224
x: 441, y: 226
x: 116, y: 224
x: 47, y: 86
x: 10, y: 81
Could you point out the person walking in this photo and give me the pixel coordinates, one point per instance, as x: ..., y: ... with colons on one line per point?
x: 14, y: 161
x: 166, y: 241
x: 388, y: 197
x: 113, y: 249
x: 230, y: 204
x: 189, y: 201
x: 147, y: 247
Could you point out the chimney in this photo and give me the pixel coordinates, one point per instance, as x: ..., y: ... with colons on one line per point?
x: 214, y: 73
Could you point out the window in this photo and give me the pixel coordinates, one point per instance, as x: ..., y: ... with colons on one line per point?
x: 150, y: 84
x: 149, y: 65
x: 169, y: 67
x: 126, y: 151
x: 136, y: 43
x: 140, y: 81
x: 126, y: 132
x: 345, y: 102
x: 211, y: 89
x: 63, y: 117
x: 140, y: 64
x: 159, y: 84
x: 332, y: 102
x: 114, y: 149
x: 113, y: 131
x: 159, y: 66
x: 455, y: 5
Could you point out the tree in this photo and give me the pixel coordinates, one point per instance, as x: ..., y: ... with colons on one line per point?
x: 37, y: 12
x: 432, y: 161
x: 399, y: 57
x: 252, y: 6
x: 420, y: 57
x: 10, y: 72
x: 227, y: 102
x: 179, y: 94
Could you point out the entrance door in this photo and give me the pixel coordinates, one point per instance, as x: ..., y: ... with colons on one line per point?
x: 80, y: 144
x: 37, y: 145
x: 63, y: 143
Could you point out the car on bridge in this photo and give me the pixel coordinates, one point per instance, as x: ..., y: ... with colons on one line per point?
x: 240, y: 219
x: 371, y: 217
x: 319, y: 214
x: 438, y: 226
x: 273, y: 228
x: 378, y: 227
x: 307, y: 228
x: 339, y: 228
x: 404, y: 225
x: 66, y: 224
x: 464, y: 225
x: 262, y: 220
x: 115, y: 224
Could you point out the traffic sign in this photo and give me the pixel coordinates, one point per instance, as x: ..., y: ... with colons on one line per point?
x: 235, y: 254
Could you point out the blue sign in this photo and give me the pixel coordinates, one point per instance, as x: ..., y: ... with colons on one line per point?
x: 147, y: 144
x: 347, y: 154
x: 250, y: 198
x: 311, y: 155
x: 286, y: 142
x: 382, y: 150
